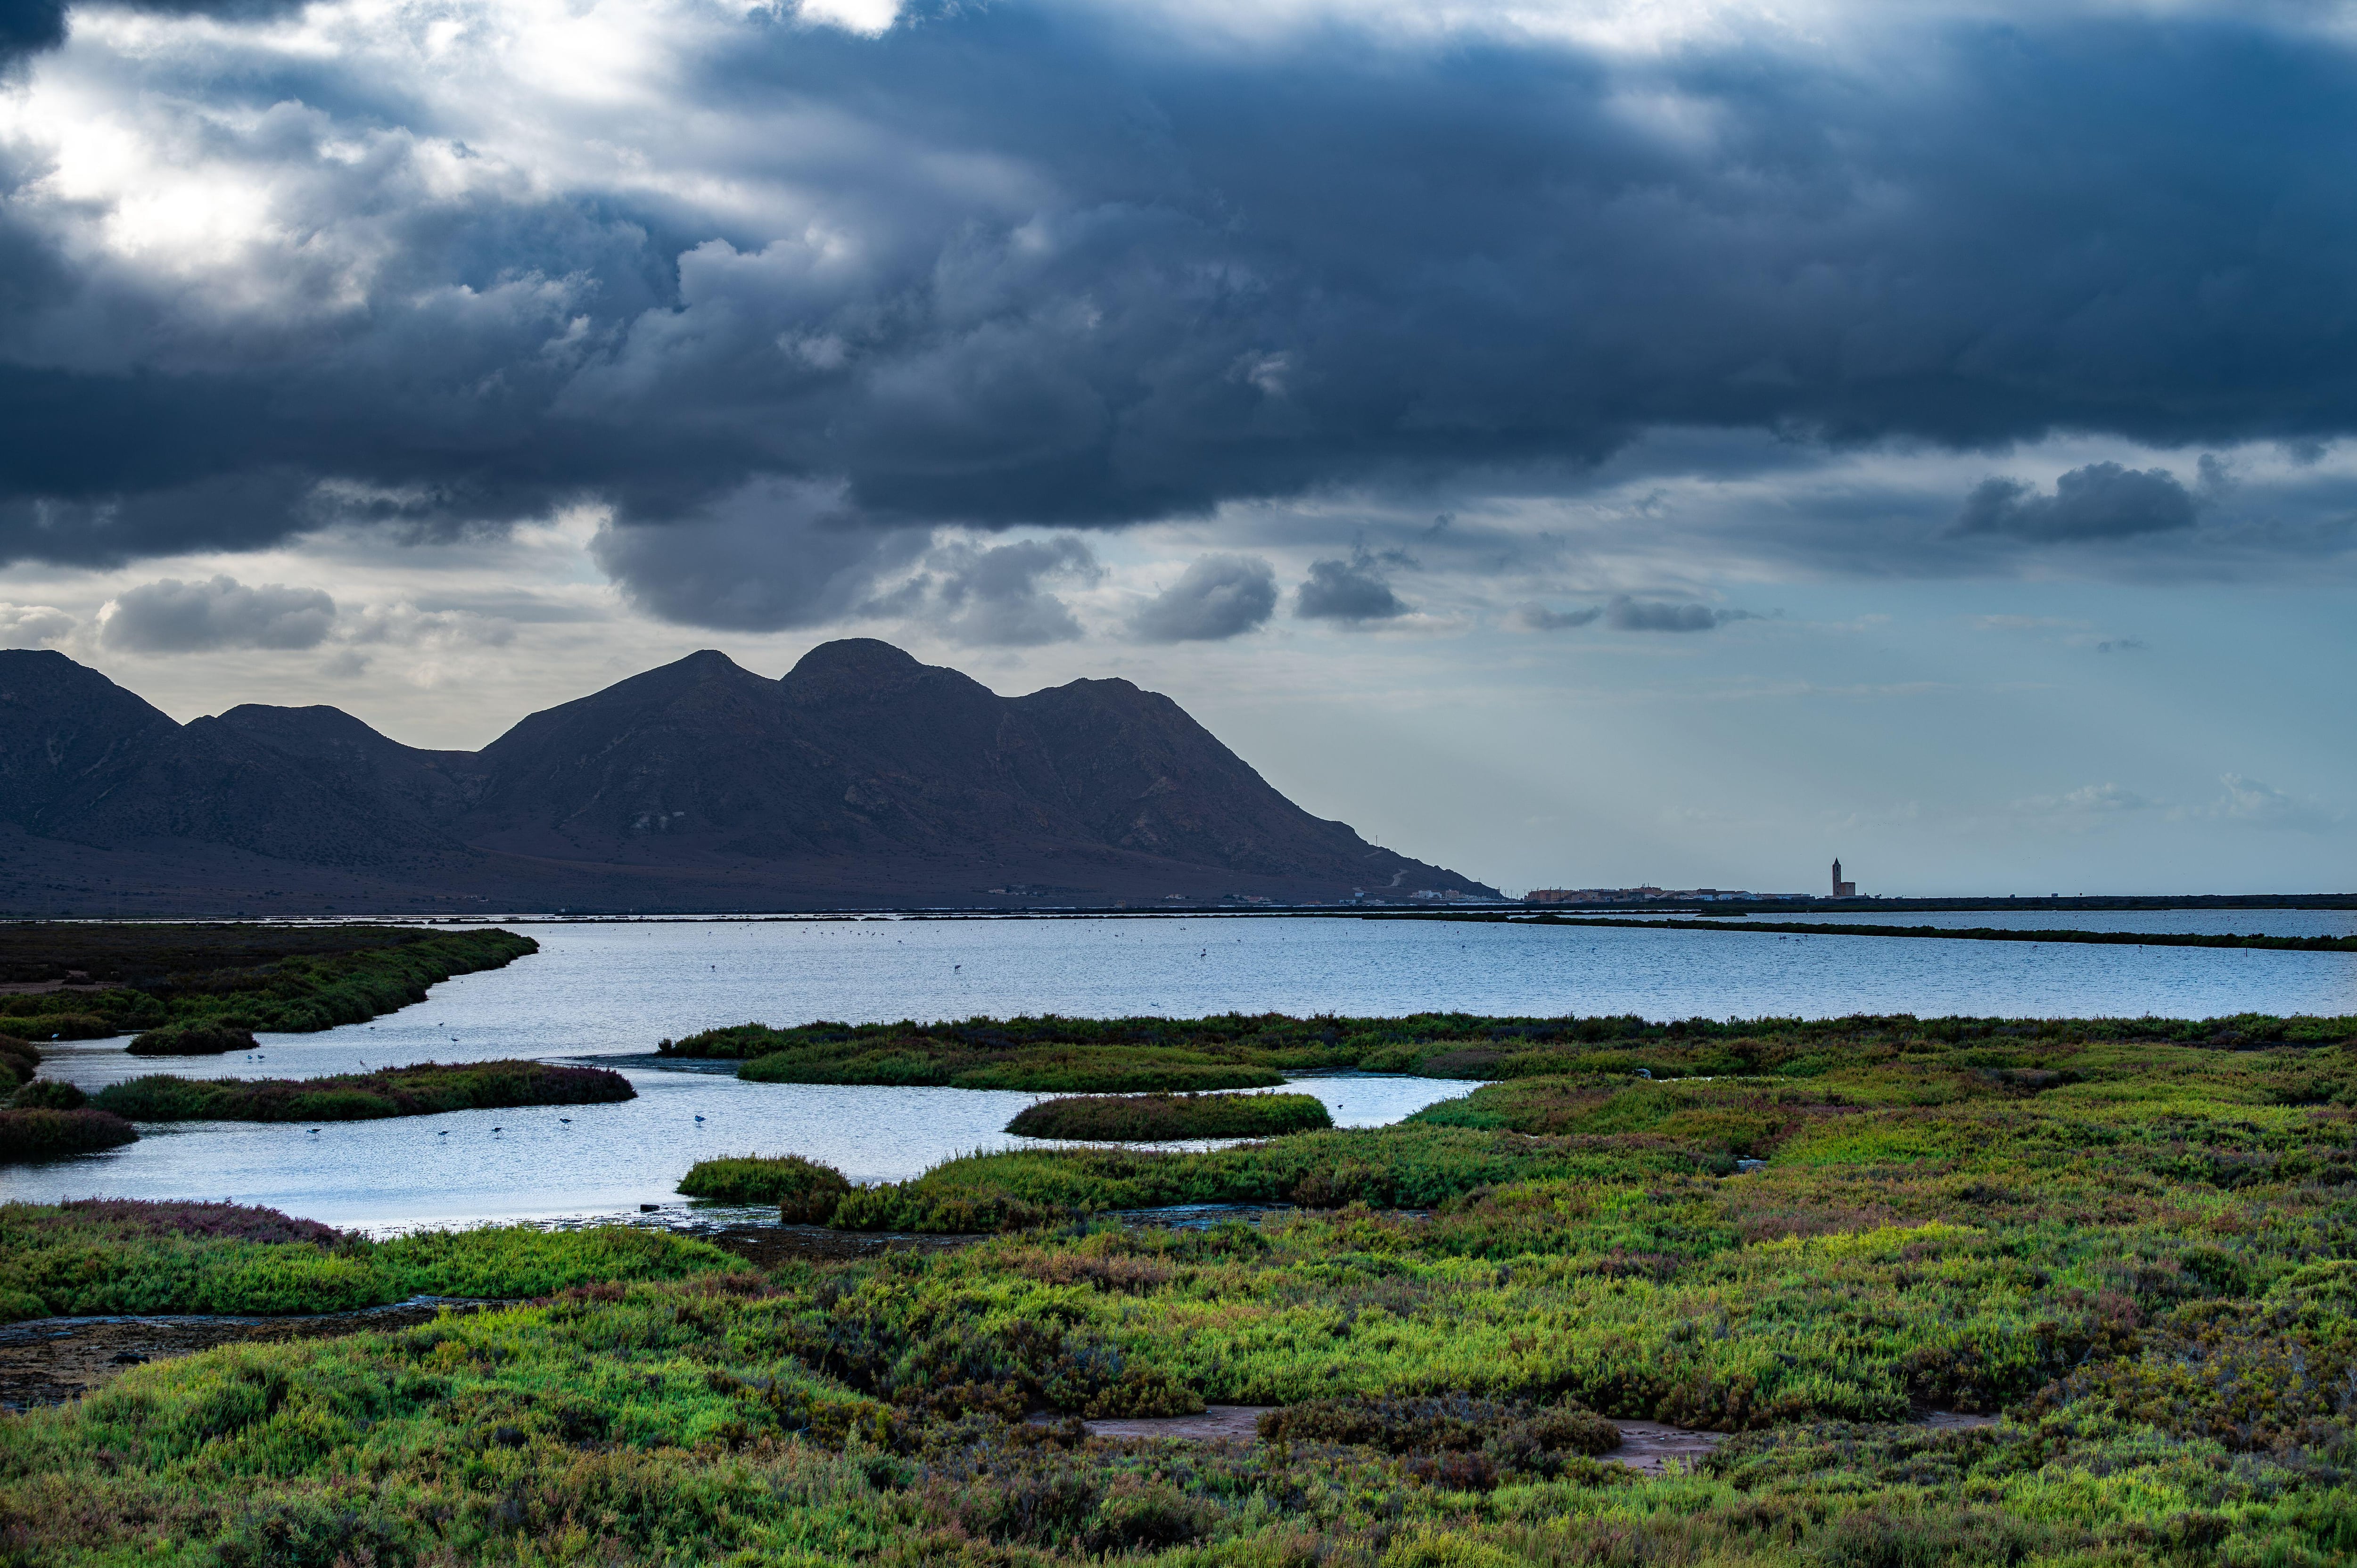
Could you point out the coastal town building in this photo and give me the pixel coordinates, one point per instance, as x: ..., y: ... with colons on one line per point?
x: 1843, y: 889
x: 1633, y: 894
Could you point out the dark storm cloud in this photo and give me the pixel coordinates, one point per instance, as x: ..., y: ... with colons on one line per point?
x: 2102, y: 501
x: 998, y: 596
x: 27, y: 26
x: 1627, y: 614
x: 769, y: 556
x: 1049, y: 266
x: 1623, y: 612
x: 173, y: 616
x: 1219, y: 597
x: 1348, y: 590
x: 1538, y: 617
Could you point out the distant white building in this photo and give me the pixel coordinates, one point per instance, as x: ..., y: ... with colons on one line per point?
x: 1631, y: 895
x: 1843, y: 889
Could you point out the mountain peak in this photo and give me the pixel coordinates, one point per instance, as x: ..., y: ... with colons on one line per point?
x: 864, y: 656
x: 852, y: 666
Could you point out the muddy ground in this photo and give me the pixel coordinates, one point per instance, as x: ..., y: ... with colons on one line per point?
x: 1644, y: 1444
x: 52, y: 1360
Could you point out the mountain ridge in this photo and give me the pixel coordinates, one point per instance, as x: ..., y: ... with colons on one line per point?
x: 862, y: 778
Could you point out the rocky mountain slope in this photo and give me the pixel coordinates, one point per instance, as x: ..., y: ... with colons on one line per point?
x: 860, y: 778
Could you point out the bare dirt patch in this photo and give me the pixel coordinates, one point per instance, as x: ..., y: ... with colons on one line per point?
x: 1651, y: 1446
x: 52, y: 1360
x: 1217, y: 1424
x: 1646, y: 1446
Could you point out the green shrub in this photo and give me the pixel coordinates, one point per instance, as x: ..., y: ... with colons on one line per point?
x: 424, y: 1089
x: 48, y: 1094
x: 805, y: 1192
x: 1163, y: 1118
x: 39, y: 1134
x: 193, y: 1040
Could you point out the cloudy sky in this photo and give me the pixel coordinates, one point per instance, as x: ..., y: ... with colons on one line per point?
x: 1580, y: 443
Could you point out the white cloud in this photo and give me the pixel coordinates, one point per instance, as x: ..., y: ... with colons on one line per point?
x: 2263, y: 805
x: 870, y: 18
x: 34, y: 625
x: 2084, y: 806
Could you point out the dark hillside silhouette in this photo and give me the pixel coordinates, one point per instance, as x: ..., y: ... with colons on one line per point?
x: 860, y: 778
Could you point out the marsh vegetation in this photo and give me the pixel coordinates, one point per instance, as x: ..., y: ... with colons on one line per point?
x: 426, y: 1090
x: 158, y: 979
x: 2136, y: 1244
x: 47, y: 1133
x: 203, y: 1039
x: 111, y: 1255
x: 805, y: 1192
x: 1056, y: 1055
x: 1167, y: 1118
x: 41, y: 1119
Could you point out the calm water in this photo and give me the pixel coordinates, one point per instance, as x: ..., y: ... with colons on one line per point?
x: 2155, y: 922
x: 612, y: 990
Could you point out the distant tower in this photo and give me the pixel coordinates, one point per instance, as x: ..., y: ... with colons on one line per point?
x: 1843, y: 889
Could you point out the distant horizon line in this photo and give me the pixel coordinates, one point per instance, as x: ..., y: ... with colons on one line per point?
x: 1924, y: 904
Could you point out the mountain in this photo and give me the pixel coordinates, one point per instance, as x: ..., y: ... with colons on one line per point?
x: 84, y: 761
x: 860, y: 778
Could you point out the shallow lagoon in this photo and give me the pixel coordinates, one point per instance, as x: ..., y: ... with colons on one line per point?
x: 608, y: 1159
x: 611, y: 989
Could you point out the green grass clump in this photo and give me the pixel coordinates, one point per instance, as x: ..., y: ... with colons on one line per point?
x: 20, y: 1060
x: 42, y: 1132
x: 192, y: 1040
x: 805, y: 1192
x: 48, y: 1094
x: 1163, y: 1118
x: 425, y: 1089
x: 105, y: 1256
